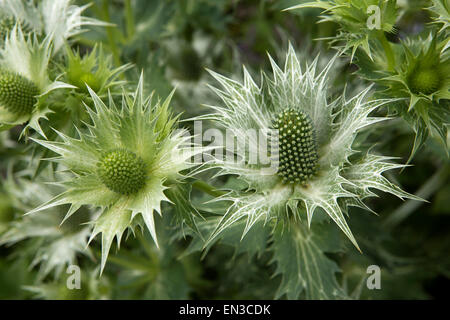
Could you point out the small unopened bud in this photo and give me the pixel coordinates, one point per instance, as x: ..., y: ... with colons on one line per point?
x: 425, y: 81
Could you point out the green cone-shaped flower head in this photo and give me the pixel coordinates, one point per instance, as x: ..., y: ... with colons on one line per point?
x: 298, y: 150
x: 17, y: 93
x: 424, y: 71
x: 422, y: 74
x: 122, y: 171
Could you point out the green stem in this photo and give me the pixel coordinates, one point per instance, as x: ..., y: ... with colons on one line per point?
x: 387, y: 50
x: 203, y: 186
x: 129, y: 19
x: 110, y: 33
x: 126, y: 263
x: 426, y: 191
x: 147, y: 247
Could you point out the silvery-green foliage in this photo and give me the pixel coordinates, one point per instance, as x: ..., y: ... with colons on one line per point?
x: 57, y: 19
x: 50, y: 246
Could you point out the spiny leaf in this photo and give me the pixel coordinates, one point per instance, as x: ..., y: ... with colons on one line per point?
x: 299, y: 253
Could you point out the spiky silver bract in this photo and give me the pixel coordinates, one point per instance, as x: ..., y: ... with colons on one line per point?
x: 336, y: 124
x: 57, y: 19
x: 124, y: 164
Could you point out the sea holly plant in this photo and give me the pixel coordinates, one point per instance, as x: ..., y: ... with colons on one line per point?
x: 318, y: 169
x: 422, y: 79
x: 24, y: 79
x: 283, y: 186
x: 123, y: 164
x: 94, y: 70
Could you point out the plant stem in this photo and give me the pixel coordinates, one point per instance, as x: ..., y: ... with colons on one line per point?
x: 429, y: 188
x: 126, y: 263
x: 203, y: 186
x: 110, y: 34
x: 129, y: 19
x: 387, y: 50
x: 147, y: 248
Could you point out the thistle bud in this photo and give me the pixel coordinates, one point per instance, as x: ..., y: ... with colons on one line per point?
x: 426, y: 81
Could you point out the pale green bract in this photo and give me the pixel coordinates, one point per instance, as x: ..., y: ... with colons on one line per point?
x: 143, y: 127
x: 340, y: 182
x: 441, y: 16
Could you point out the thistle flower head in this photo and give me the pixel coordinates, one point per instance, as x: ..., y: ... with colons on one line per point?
x: 24, y: 78
x: 422, y: 79
x: 23, y: 12
x: 425, y: 80
x: 318, y: 169
x: 423, y: 71
x: 93, y: 70
x: 124, y: 164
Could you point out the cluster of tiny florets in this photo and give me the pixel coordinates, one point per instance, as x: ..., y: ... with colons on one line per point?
x: 17, y: 93
x: 297, y: 147
x: 122, y: 171
x: 426, y: 81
